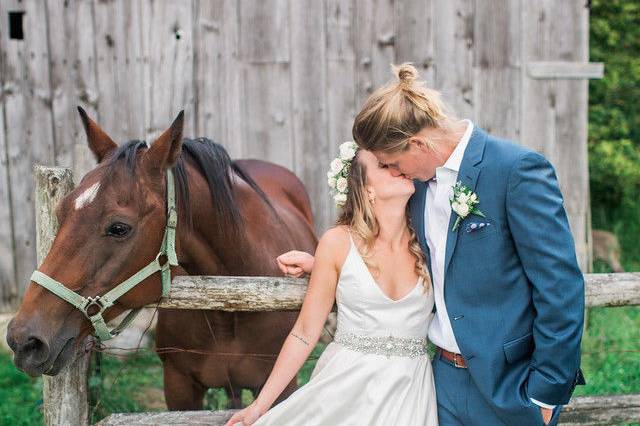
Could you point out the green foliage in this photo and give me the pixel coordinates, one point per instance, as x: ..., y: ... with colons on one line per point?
x: 614, y: 123
x: 20, y: 395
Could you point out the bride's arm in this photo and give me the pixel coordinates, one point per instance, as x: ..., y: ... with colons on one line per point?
x: 306, y: 331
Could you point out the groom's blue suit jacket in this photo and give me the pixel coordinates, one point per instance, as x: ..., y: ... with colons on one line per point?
x: 513, y: 290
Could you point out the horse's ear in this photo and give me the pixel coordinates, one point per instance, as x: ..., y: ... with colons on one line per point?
x: 164, y: 152
x: 99, y: 142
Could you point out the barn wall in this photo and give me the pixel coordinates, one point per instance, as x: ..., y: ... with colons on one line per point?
x: 274, y: 79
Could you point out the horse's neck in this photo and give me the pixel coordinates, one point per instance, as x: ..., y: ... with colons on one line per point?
x: 208, y: 250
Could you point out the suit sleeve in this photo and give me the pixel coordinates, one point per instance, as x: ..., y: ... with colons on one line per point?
x: 543, y: 240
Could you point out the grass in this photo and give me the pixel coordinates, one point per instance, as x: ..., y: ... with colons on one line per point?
x: 20, y: 395
x: 117, y: 386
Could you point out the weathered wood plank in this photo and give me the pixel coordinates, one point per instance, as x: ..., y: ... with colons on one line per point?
x: 453, y: 53
x: 120, y: 76
x: 497, y: 88
x: 619, y: 289
x: 204, y: 417
x: 8, y: 282
x: 266, y: 100
x: 209, y: 66
x: 167, y: 46
x: 279, y: 293
x: 375, y: 40
x: 308, y: 90
x: 341, y: 107
x: 73, y: 80
x: 554, y: 111
x: 232, y: 80
x: 65, y: 395
x: 593, y: 410
x: 29, y: 129
x: 236, y: 293
x: 414, y: 36
x: 601, y: 410
x: 565, y: 69
x: 218, y: 73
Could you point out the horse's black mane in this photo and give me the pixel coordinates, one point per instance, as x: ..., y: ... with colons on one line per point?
x: 214, y: 163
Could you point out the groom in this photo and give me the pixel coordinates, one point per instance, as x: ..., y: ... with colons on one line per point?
x: 509, y: 294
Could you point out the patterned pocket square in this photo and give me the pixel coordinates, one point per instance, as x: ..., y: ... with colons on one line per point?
x: 475, y: 226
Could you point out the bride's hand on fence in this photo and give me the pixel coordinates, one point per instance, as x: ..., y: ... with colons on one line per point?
x: 295, y: 263
x: 245, y: 417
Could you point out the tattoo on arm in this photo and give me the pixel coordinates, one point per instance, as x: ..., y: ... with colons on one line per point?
x: 300, y: 338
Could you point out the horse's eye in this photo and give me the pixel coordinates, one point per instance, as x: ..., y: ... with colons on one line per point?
x: 118, y: 229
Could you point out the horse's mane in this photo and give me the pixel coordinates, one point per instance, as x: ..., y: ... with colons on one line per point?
x: 216, y: 166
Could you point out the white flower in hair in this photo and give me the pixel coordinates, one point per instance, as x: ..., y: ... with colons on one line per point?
x: 341, y: 184
x: 340, y: 199
x: 347, y: 150
x: 339, y: 172
x: 336, y: 166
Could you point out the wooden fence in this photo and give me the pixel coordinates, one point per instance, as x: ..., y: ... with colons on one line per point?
x: 65, y: 396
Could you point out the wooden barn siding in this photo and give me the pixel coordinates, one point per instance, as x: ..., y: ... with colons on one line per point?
x: 276, y: 79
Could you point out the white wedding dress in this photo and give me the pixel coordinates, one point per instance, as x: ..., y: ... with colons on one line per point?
x: 366, y: 377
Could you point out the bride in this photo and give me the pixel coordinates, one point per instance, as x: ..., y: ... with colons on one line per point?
x: 376, y: 371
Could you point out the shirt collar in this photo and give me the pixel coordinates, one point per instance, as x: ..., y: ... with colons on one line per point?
x: 455, y: 159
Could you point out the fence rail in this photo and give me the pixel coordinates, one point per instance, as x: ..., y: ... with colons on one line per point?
x: 65, y: 396
x: 280, y: 294
x: 581, y: 411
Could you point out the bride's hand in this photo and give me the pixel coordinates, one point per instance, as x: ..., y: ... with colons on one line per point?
x: 295, y: 263
x: 245, y: 417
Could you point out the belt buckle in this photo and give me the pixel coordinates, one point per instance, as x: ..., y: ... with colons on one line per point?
x: 455, y: 361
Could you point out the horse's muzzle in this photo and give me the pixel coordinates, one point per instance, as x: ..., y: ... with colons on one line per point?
x: 34, y: 355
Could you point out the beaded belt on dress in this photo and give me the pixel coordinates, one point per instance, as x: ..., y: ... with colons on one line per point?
x: 382, y: 345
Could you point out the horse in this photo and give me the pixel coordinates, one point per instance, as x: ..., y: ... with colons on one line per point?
x: 234, y: 218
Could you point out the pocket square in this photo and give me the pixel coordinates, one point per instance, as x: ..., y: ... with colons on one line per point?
x: 475, y: 226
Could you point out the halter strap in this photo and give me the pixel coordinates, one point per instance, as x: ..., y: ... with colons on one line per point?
x: 104, y: 302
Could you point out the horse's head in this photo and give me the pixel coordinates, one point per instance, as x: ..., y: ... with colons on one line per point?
x: 111, y: 226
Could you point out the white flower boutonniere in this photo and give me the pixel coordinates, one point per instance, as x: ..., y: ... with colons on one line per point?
x: 463, y: 203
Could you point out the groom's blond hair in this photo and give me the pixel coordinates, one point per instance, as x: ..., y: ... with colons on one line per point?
x: 397, y: 111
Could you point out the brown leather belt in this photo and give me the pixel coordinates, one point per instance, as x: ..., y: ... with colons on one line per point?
x: 456, y: 359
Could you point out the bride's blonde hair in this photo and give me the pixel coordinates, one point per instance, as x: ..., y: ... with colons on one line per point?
x: 357, y: 214
x: 397, y: 111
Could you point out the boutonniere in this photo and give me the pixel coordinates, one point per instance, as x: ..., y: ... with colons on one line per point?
x: 463, y: 203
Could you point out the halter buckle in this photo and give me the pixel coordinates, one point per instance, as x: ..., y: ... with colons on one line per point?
x: 93, y: 301
x: 172, y: 219
x: 165, y: 265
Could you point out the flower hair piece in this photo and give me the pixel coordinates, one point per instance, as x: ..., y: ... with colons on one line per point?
x: 339, y: 172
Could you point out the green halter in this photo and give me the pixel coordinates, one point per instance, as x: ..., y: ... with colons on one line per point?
x: 107, y: 300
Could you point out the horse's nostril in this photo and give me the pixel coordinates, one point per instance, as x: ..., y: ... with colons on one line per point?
x: 33, y: 344
x: 34, y: 349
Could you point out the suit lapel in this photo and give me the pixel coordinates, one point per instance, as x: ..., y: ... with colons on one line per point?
x: 468, y: 175
x: 418, y: 206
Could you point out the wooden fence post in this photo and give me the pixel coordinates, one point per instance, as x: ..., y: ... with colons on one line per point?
x: 65, y: 396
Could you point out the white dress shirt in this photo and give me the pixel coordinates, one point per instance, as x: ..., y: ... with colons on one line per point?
x: 436, y: 219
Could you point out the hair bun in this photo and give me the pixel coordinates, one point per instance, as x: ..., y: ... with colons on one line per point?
x: 406, y: 74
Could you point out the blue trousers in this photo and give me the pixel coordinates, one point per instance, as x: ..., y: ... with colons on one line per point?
x: 461, y: 403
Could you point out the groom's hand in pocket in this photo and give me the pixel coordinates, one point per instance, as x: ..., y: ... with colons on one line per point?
x: 295, y: 263
x: 547, y: 413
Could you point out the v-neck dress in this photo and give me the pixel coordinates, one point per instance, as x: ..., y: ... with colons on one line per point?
x: 372, y: 373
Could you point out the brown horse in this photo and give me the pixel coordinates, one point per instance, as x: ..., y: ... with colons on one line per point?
x: 235, y: 217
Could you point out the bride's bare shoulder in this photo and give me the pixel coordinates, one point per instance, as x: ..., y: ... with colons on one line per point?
x: 335, y: 243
